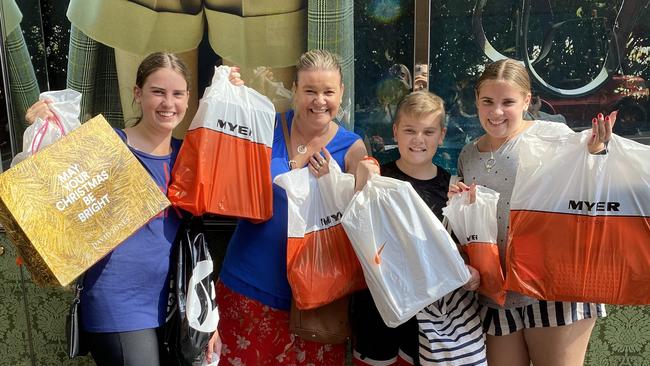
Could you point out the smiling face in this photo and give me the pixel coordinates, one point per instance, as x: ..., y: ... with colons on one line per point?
x: 418, y: 137
x: 318, y: 95
x: 501, y: 105
x: 163, y: 98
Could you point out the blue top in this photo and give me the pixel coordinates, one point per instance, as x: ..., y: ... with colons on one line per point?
x: 256, y: 259
x: 127, y: 290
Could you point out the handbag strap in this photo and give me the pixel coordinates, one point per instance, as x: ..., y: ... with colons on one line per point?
x: 287, y: 141
x: 79, y: 286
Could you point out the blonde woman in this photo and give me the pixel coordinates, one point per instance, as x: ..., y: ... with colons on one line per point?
x: 253, y: 293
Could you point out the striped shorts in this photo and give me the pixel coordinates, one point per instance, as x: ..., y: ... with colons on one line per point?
x: 540, y: 314
x: 451, y: 332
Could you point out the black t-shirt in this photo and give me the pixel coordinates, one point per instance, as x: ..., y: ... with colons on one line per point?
x: 432, y: 191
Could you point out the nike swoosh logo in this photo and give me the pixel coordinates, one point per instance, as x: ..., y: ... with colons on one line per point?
x: 378, y: 255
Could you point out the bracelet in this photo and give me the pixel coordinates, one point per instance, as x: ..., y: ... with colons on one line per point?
x: 603, y: 151
x: 370, y: 158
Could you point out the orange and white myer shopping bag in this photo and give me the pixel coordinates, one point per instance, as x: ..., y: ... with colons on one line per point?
x: 580, y: 223
x: 321, y: 264
x: 223, y: 166
x: 408, y: 258
x: 475, y: 226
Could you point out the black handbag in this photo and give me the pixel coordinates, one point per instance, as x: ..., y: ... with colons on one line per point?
x: 185, y: 343
x: 76, y: 346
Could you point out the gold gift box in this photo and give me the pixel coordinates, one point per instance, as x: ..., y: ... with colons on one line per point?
x: 75, y: 201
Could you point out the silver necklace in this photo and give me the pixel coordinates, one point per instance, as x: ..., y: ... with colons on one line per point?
x: 491, y: 162
x: 301, y: 148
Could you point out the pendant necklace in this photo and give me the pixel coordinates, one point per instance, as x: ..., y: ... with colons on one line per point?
x: 301, y: 148
x: 491, y: 162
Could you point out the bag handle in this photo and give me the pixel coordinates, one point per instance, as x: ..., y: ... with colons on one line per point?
x: 287, y: 141
x: 454, y: 179
x: 40, y: 133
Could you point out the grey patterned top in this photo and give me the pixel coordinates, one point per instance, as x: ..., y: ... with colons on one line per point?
x: 501, y: 178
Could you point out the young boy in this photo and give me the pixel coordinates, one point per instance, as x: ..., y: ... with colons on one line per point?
x: 447, y: 332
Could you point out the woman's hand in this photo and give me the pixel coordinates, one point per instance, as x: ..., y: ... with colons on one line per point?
x: 474, y: 281
x: 366, y: 168
x: 235, y: 77
x: 214, y: 346
x: 601, y: 132
x: 319, y: 165
x: 40, y: 109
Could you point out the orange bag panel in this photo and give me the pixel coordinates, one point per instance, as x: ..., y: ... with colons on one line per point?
x: 322, y: 267
x: 220, y: 174
x: 565, y: 257
x: 485, y: 258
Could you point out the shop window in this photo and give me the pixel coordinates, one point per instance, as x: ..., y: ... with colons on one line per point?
x: 584, y: 57
x: 383, y: 46
x: 31, y: 53
x: 580, y: 62
x: 5, y: 130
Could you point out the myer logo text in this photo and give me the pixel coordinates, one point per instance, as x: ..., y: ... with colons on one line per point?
x: 327, y: 220
x: 594, y: 206
x: 233, y: 127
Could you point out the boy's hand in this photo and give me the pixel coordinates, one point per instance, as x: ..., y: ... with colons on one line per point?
x: 366, y: 168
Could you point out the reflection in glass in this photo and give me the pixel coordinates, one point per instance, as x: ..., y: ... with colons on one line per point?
x: 5, y: 138
x: 421, y: 77
x: 584, y: 58
x: 385, y: 11
x: 264, y: 82
x: 568, y: 43
x: 393, y: 87
x: 455, y: 63
x: 383, y: 44
x: 18, y: 70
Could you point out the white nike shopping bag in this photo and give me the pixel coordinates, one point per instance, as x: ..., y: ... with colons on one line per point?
x: 408, y: 258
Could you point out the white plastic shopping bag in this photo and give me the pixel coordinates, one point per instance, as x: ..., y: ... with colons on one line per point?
x: 580, y: 223
x: 475, y: 226
x: 66, y: 105
x: 321, y: 264
x: 408, y: 258
x: 224, y: 165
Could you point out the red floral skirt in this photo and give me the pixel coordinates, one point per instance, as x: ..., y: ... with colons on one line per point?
x: 254, y: 334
